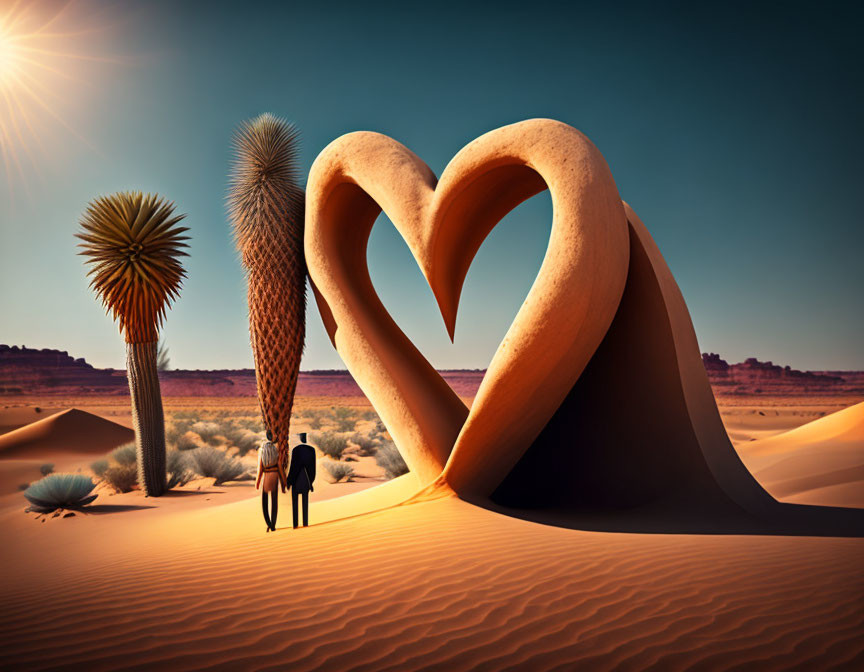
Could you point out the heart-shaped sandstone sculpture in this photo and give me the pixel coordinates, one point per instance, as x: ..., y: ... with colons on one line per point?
x: 597, y: 397
x: 562, y: 321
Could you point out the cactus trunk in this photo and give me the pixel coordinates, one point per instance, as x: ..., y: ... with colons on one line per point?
x: 277, y: 313
x: 147, y: 416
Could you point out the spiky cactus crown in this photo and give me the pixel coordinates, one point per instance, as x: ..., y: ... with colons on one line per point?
x: 133, y: 247
x: 264, y: 195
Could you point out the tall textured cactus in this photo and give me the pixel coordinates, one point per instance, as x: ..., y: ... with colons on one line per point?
x: 133, y: 246
x: 266, y: 205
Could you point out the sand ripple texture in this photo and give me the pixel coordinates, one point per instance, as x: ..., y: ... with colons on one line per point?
x: 439, y: 585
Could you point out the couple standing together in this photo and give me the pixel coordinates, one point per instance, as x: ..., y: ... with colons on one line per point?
x: 300, y: 477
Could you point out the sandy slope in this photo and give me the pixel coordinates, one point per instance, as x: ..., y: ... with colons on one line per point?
x: 13, y: 416
x: 821, y: 462
x: 64, y: 440
x: 191, y: 581
x: 440, y: 584
x: 70, y: 431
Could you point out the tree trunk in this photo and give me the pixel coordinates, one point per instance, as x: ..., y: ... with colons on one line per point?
x: 147, y: 416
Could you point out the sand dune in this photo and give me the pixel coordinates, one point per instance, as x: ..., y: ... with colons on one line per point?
x: 190, y: 581
x: 821, y: 458
x: 435, y: 585
x: 70, y: 431
x: 13, y: 417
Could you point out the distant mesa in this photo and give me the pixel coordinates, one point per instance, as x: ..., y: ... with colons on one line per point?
x: 753, y: 376
x: 70, y: 431
x: 27, y: 370
x: 30, y: 371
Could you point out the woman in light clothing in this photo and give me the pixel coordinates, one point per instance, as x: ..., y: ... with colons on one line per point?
x: 272, y: 473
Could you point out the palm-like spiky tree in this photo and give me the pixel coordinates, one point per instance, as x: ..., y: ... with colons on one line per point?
x: 266, y: 205
x: 133, y: 246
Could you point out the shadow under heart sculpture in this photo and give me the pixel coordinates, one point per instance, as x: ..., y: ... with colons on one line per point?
x: 596, y: 397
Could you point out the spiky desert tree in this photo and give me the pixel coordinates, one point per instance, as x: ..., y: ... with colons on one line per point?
x: 133, y: 245
x: 266, y: 205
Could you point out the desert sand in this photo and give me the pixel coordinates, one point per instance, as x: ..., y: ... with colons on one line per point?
x: 63, y: 439
x: 191, y: 581
x: 821, y: 462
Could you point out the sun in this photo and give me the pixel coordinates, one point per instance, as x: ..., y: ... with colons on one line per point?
x: 47, y: 54
x: 10, y: 57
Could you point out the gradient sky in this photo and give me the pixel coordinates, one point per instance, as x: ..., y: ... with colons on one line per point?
x: 734, y: 130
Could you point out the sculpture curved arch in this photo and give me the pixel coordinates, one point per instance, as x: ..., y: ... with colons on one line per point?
x: 560, y: 323
x: 596, y: 397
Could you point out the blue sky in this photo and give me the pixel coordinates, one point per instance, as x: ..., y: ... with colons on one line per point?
x: 733, y: 129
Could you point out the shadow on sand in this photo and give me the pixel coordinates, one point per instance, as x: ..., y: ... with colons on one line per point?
x: 795, y: 520
x: 175, y: 494
x: 102, y: 509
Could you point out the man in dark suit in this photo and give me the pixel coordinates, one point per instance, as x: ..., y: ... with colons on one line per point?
x: 301, y: 476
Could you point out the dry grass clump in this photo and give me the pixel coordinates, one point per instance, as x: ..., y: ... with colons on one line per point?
x: 252, y: 424
x: 243, y: 440
x: 187, y: 441
x: 331, y: 444
x: 124, y: 454
x: 210, y: 432
x: 99, y: 467
x: 339, y: 471
x: 390, y: 460
x: 120, y: 469
x: 314, y: 418
x: 213, y: 463
x: 344, y: 418
x: 176, y: 429
x: 367, y: 445
x: 178, y: 468
x: 121, y: 477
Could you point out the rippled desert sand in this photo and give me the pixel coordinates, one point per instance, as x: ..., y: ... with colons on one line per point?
x: 195, y: 583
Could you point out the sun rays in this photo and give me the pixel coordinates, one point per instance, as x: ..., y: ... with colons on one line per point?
x: 45, y: 51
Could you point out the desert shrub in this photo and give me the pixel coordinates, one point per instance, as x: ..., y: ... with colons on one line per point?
x: 99, y: 467
x: 177, y: 429
x: 46, y: 469
x: 121, y: 477
x: 332, y: 445
x: 208, y: 431
x: 344, y: 418
x: 369, y: 415
x: 124, y: 455
x: 346, y: 425
x: 188, y: 441
x: 315, y: 422
x: 390, y: 460
x: 213, y: 463
x: 339, y: 471
x: 245, y: 441
x: 60, y: 491
x: 366, y: 444
x: 252, y: 424
x: 177, y: 466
